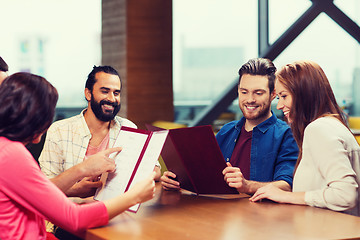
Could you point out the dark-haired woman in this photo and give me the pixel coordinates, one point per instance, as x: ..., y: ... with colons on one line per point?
x: 27, y: 197
x: 327, y: 173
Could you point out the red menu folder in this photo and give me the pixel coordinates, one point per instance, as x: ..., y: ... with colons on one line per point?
x: 136, y: 161
x: 194, y: 155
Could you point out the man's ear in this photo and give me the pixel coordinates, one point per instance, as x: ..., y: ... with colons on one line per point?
x: 87, y: 93
x: 238, y: 89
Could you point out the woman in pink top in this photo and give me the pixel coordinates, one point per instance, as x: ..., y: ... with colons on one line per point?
x: 27, y: 197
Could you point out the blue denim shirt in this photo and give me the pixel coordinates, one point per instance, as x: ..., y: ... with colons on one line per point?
x: 273, y: 149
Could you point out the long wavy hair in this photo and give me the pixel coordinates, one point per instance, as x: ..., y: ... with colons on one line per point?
x: 27, y: 106
x: 312, y: 96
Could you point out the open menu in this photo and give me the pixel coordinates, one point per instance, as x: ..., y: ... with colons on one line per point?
x: 194, y: 155
x: 136, y: 161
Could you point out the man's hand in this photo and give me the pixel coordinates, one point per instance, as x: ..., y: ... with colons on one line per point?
x: 234, y: 178
x: 168, y: 181
x: 91, y: 167
x: 157, y: 171
x: 86, y: 187
x: 99, y: 163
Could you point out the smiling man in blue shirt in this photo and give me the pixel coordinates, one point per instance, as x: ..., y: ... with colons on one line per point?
x: 259, y: 148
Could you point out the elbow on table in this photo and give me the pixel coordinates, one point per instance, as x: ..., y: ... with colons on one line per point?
x: 342, y: 201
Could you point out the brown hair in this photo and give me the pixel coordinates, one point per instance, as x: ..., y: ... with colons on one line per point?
x: 260, y: 67
x: 312, y: 96
x: 27, y: 106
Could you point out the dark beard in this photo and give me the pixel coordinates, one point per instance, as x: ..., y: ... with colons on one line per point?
x: 104, y: 116
x: 261, y: 114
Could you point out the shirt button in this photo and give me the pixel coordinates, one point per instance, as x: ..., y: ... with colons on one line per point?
x: 235, y: 140
x: 227, y: 159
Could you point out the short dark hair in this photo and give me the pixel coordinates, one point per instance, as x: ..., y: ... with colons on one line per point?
x: 262, y: 67
x: 91, y: 77
x: 27, y: 106
x: 3, y: 65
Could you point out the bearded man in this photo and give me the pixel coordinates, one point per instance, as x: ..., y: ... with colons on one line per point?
x: 259, y: 148
x: 71, y: 141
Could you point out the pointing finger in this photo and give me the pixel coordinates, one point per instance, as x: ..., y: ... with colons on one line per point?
x: 108, y: 151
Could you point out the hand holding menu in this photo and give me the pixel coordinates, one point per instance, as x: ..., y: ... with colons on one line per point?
x: 194, y: 155
x: 136, y: 161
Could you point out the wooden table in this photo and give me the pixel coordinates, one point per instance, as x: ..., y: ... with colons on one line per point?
x: 175, y: 215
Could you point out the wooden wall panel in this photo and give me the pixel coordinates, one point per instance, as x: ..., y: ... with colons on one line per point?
x: 137, y: 41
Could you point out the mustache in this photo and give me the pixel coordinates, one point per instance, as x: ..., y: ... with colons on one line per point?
x: 113, y: 104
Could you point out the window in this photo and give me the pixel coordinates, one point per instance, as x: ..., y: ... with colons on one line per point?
x: 60, y: 40
x: 212, y: 39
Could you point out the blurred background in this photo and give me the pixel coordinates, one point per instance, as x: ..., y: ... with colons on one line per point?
x: 211, y: 39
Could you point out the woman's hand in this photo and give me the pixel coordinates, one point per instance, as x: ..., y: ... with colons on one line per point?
x: 271, y: 192
x: 276, y: 194
x: 145, y: 189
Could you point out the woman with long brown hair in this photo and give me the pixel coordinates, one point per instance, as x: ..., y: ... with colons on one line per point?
x: 327, y: 172
x: 27, y: 197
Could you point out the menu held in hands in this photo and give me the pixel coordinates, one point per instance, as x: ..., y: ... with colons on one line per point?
x: 137, y: 159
